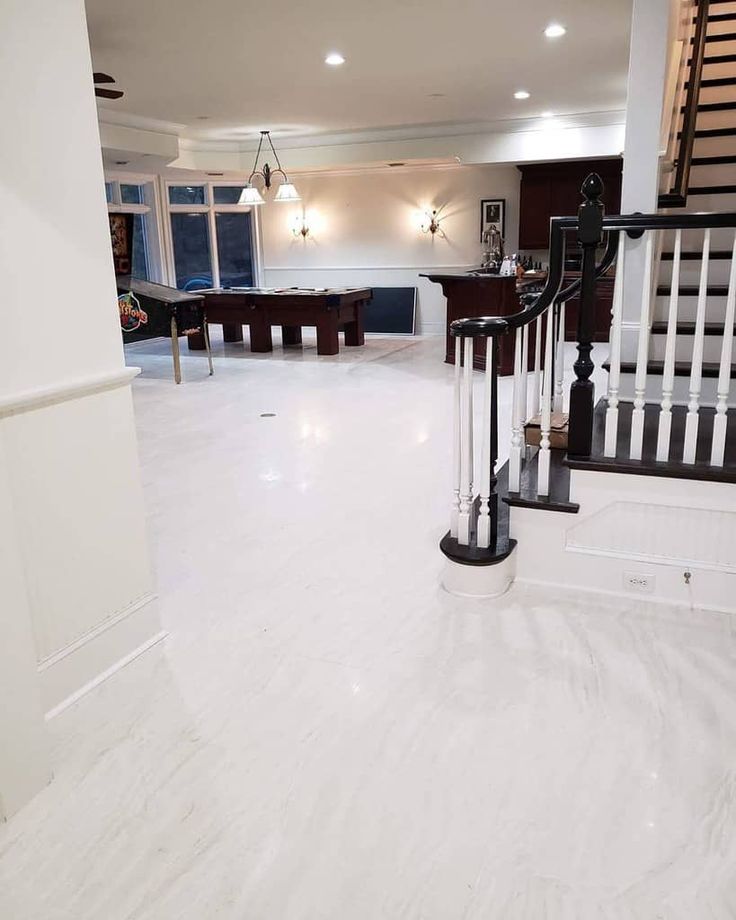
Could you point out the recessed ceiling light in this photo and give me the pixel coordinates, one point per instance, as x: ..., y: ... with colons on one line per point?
x: 554, y: 30
x: 521, y: 94
x: 548, y: 114
x: 334, y: 59
x: 436, y: 95
x: 202, y: 117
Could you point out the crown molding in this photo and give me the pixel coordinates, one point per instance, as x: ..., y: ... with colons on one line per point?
x: 370, y: 136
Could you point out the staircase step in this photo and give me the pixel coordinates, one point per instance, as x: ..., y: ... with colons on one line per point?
x: 713, y: 132
x: 718, y: 59
x: 714, y: 107
x: 720, y: 17
x: 559, y: 486
x: 715, y: 81
x: 682, y: 368
x: 712, y: 190
x: 660, y: 328
x: 723, y: 160
x: 715, y: 255
x: 504, y: 544
x: 687, y: 290
x: 719, y: 37
x: 648, y: 465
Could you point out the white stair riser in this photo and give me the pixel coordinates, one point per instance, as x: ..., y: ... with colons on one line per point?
x: 684, y: 348
x: 680, y: 392
x: 714, y: 146
x: 718, y: 119
x: 687, y: 308
x: 718, y: 272
x: 692, y: 240
x: 720, y: 174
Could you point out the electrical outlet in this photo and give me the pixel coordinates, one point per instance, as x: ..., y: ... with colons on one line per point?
x: 641, y: 582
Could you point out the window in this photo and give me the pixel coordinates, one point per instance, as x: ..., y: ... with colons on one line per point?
x: 187, y: 194
x: 129, y: 195
x: 192, y: 261
x: 211, y: 236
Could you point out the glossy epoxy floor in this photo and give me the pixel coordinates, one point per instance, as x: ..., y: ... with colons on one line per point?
x: 325, y: 735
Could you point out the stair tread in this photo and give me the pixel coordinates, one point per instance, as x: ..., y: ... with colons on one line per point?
x: 720, y: 160
x: 713, y: 132
x: 559, y: 486
x: 712, y: 190
x: 682, y: 368
x: 687, y: 328
x: 715, y: 256
x: 715, y: 81
x: 692, y: 290
x: 648, y: 465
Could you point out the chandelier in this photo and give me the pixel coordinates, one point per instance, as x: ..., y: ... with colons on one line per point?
x: 286, y: 191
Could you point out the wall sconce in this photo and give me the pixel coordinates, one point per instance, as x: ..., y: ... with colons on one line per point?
x: 430, y: 222
x: 300, y: 226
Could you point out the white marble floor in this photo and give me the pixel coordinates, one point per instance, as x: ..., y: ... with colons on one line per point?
x: 326, y: 735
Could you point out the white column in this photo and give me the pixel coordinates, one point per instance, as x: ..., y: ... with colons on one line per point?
x: 455, y: 504
x: 545, y: 421
x: 66, y: 418
x: 517, y: 424
x: 720, y: 423
x: 484, y: 519
x: 692, y: 419
x: 652, y: 37
x: 642, y: 353
x: 24, y: 759
x: 466, y: 446
x: 668, y: 375
x: 614, y: 376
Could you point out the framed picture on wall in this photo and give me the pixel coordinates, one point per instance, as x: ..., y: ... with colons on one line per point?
x: 492, y: 213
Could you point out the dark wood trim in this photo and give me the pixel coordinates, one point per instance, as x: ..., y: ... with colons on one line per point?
x: 559, y: 486
x: 660, y: 328
x: 682, y: 368
x: 687, y: 135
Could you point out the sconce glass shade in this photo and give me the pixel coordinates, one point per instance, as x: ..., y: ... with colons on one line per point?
x: 250, y: 195
x: 287, y: 192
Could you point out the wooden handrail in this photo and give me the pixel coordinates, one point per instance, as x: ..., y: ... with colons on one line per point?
x: 677, y: 195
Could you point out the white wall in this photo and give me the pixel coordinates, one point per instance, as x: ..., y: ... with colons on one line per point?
x: 363, y: 229
x: 66, y: 424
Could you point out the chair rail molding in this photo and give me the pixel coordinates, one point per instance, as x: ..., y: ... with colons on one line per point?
x: 75, y: 388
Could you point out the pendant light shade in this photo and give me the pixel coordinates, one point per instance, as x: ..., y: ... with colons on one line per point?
x: 287, y: 192
x: 250, y: 195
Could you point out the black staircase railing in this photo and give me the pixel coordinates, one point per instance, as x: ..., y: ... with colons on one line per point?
x: 475, y: 539
x: 676, y: 197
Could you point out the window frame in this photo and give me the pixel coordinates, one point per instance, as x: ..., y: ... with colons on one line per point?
x: 150, y: 211
x: 211, y: 210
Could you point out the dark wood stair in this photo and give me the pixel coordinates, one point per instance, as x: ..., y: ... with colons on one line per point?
x: 686, y: 328
x: 715, y: 255
x: 714, y: 161
x: 682, y: 368
x: 714, y: 106
x: 648, y: 465
x: 559, y: 485
x: 691, y: 290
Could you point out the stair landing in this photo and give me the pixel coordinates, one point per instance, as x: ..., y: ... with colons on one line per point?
x: 648, y: 465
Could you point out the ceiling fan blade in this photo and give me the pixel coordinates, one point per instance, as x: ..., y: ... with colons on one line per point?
x: 108, y: 93
x: 103, y: 78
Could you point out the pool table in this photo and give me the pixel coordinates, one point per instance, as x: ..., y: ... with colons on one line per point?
x: 329, y: 310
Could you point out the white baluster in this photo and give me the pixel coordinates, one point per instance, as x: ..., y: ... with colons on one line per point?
x: 720, y: 422
x: 484, y: 520
x: 525, y: 381
x: 543, y: 459
x: 455, y: 506
x: 642, y: 355
x: 560, y: 362
x: 516, y: 419
x: 466, y: 447
x: 696, y: 367
x: 534, y: 410
x: 668, y: 376
x: 614, y: 375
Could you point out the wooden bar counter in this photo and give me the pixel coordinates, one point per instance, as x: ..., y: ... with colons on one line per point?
x: 480, y: 295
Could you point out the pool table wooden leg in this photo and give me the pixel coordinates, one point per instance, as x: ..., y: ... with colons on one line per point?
x: 327, y: 327
x: 260, y: 335
x: 354, y: 334
x: 291, y: 336
x: 232, y: 332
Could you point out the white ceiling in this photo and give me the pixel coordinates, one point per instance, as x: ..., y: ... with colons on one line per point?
x: 247, y: 65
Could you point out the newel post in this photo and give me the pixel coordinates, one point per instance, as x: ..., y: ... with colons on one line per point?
x: 582, y: 391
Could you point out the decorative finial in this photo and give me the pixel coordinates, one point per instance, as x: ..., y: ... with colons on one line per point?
x: 592, y: 188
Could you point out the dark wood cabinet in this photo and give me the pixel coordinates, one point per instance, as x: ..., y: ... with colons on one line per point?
x: 553, y: 190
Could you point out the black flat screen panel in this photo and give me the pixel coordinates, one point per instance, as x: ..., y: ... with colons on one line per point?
x: 391, y: 310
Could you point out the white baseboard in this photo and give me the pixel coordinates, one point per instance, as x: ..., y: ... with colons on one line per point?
x: 68, y: 674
